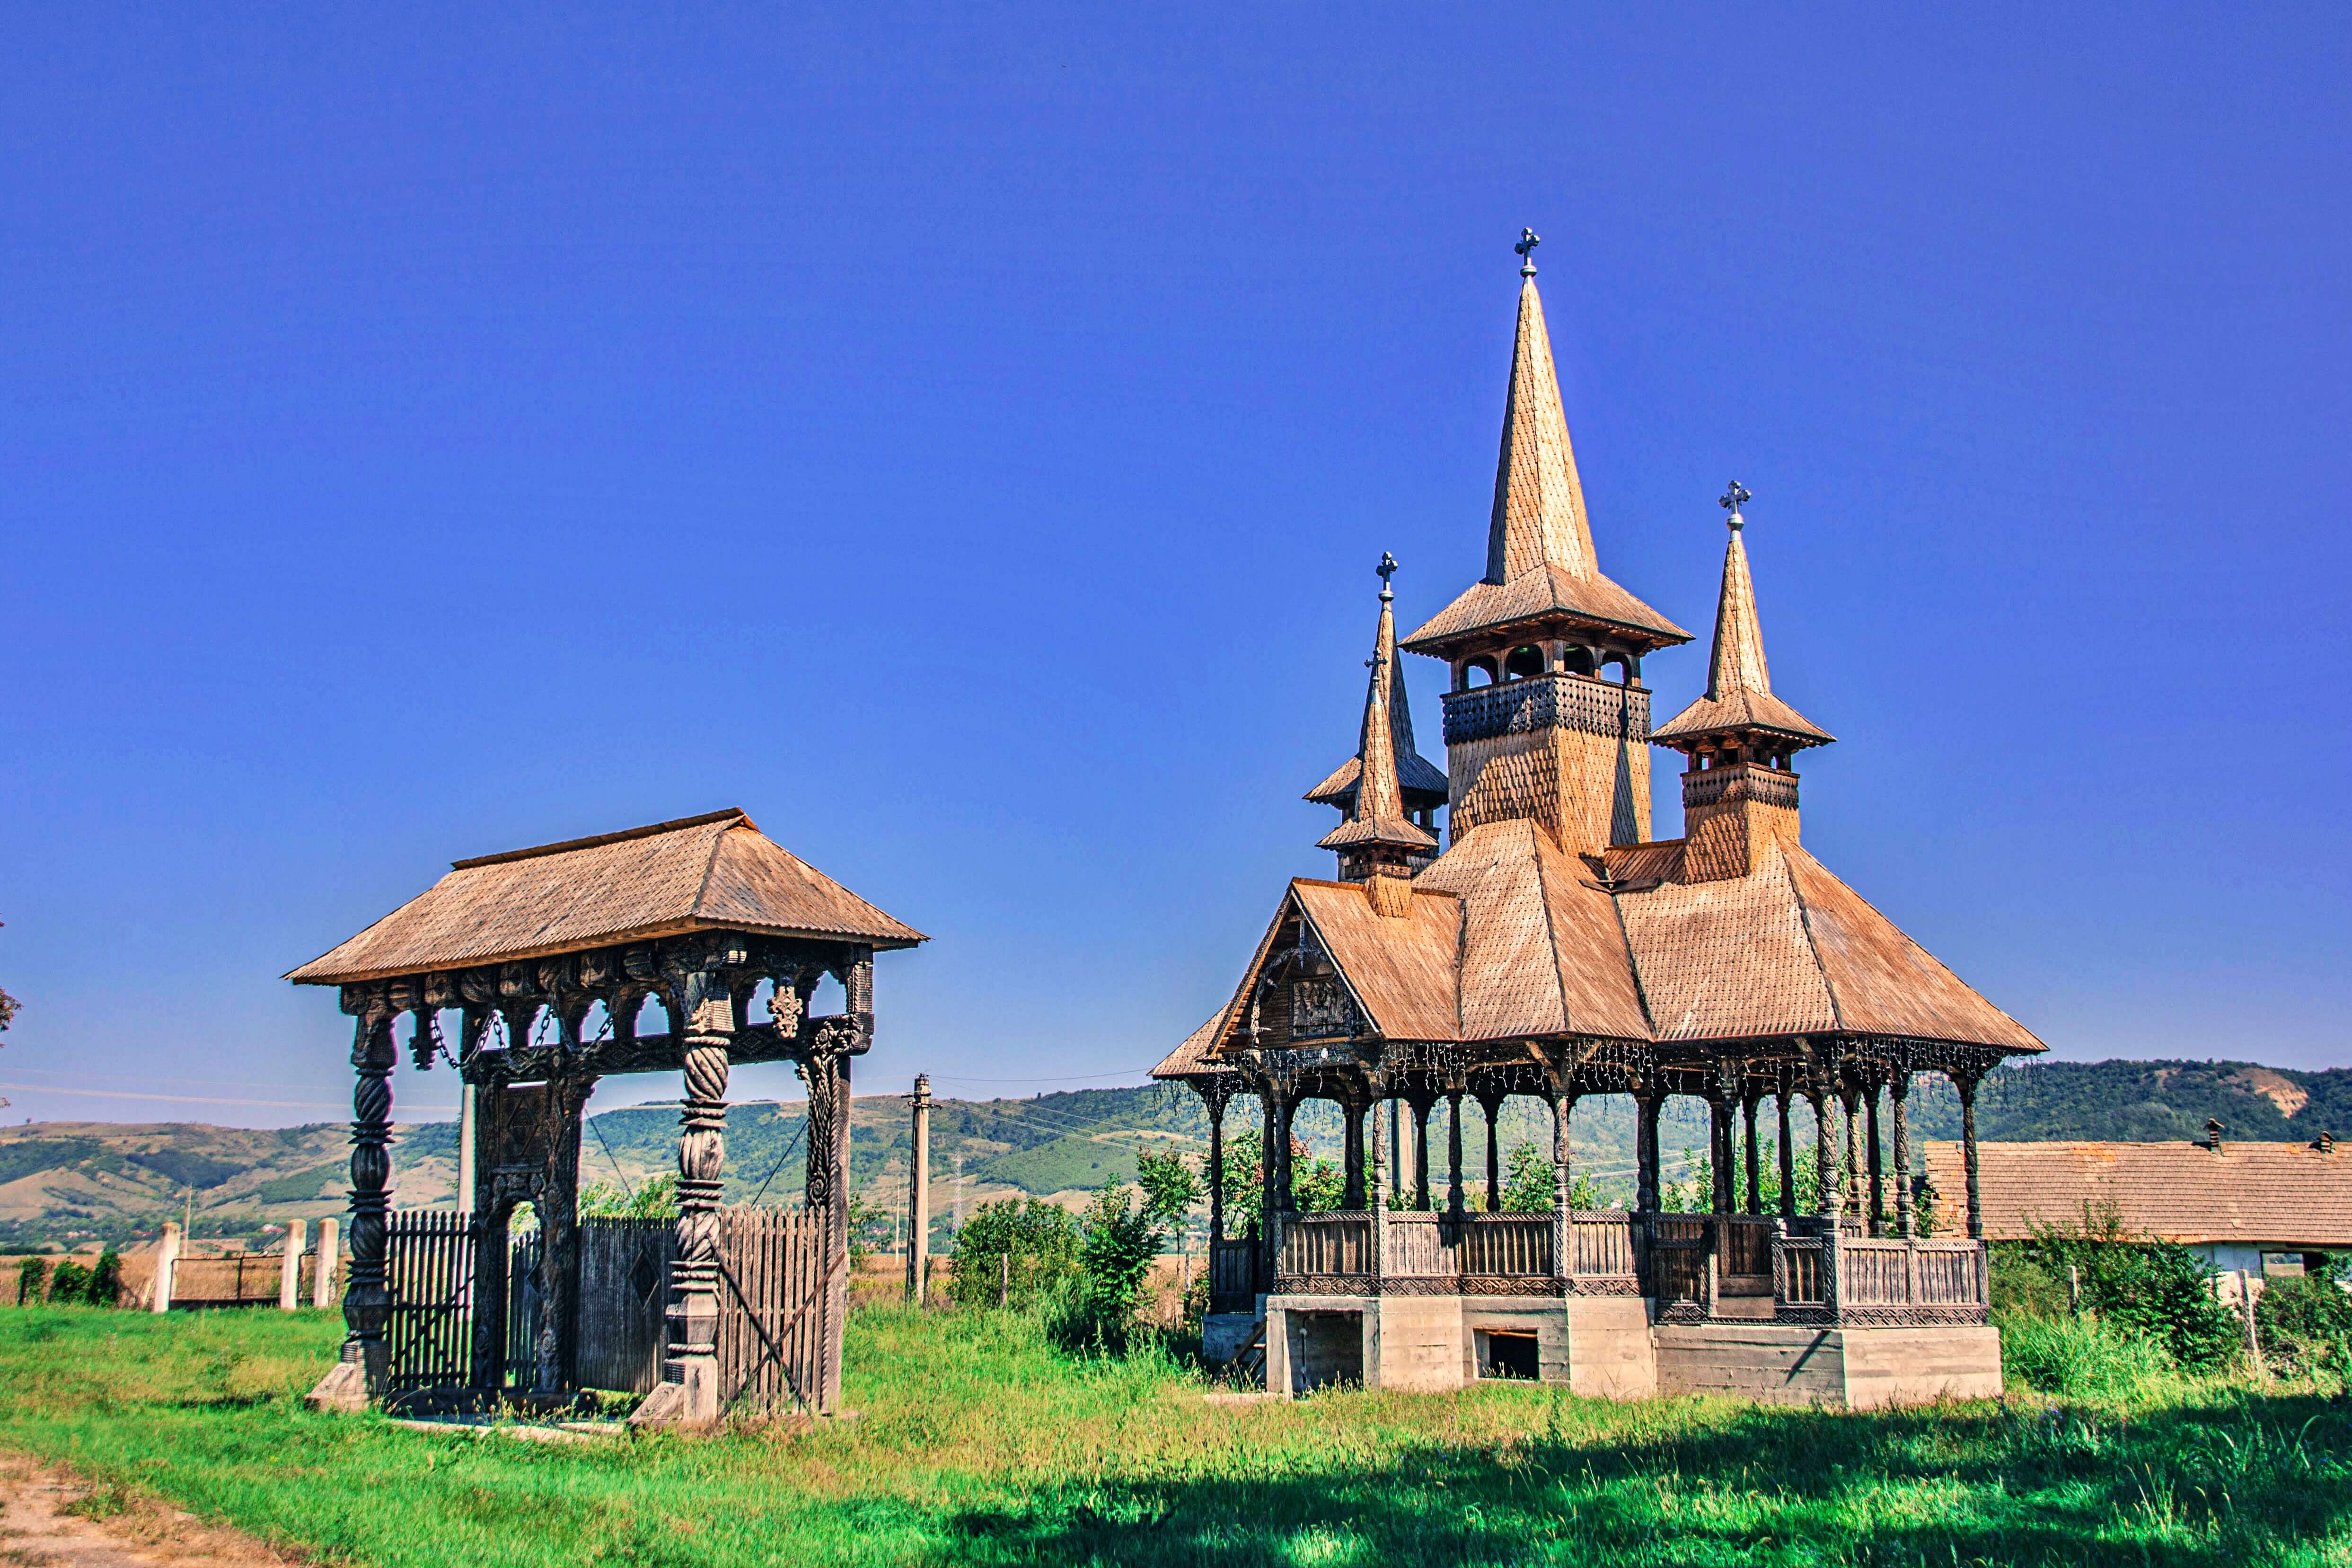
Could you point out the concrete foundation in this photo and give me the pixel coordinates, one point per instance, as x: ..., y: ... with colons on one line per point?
x: 1607, y: 1347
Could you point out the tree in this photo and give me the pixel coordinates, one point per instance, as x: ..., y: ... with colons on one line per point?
x: 105, y: 1287
x: 1025, y: 1248
x: 1170, y: 1187
x: 655, y: 1199
x: 2158, y: 1290
x: 2305, y: 1324
x: 32, y: 1281
x: 1530, y: 1184
x: 1245, y: 1181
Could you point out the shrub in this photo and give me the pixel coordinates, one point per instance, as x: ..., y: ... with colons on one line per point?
x: 70, y: 1283
x: 654, y: 1199
x: 32, y: 1281
x: 1120, y: 1239
x: 2082, y: 1357
x: 2306, y: 1325
x: 1040, y: 1241
x: 106, y: 1279
x: 2158, y: 1289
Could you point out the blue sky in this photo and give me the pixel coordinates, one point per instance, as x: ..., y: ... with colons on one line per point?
x: 964, y: 443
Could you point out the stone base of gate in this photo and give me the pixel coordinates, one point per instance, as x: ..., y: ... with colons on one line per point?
x: 1223, y: 1335
x: 343, y: 1388
x: 689, y: 1405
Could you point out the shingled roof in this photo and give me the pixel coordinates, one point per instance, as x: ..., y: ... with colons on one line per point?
x: 2285, y: 1194
x: 1739, y: 682
x: 716, y: 871
x: 1422, y: 784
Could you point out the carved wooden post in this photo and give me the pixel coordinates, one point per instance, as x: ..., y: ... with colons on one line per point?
x: 1215, y: 1098
x: 1396, y: 1145
x: 1453, y: 1154
x: 1966, y: 1084
x: 1269, y: 1205
x: 1787, y: 1150
x: 1755, y: 1175
x: 1898, y: 1090
x: 1491, y: 1105
x: 1421, y: 1108
x: 1646, y: 1104
x: 1828, y: 1134
x: 1563, y: 1245
x: 919, y: 1195
x: 1351, y: 1111
x: 1850, y: 1098
x: 1718, y: 1138
x: 688, y: 1393
x: 1877, y: 1170
x: 367, y: 1303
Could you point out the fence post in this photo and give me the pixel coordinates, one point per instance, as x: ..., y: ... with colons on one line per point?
x: 167, y: 1262
x: 1910, y: 1272
x: 1005, y: 1279
x: 322, y: 1267
x: 289, y: 1269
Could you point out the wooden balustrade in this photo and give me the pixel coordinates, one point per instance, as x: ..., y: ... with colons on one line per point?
x: 1604, y: 1244
x: 1509, y: 1246
x: 1327, y: 1244
x: 1798, y: 1276
x: 1232, y: 1275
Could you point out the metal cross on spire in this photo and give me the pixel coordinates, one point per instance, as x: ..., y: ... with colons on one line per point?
x: 1731, y: 500
x: 1386, y: 568
x: 1528, y: 240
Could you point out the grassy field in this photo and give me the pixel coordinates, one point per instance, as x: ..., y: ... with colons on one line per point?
x: 981, y: 1445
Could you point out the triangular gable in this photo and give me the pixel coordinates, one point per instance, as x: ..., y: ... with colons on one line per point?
x: 1401, y: 972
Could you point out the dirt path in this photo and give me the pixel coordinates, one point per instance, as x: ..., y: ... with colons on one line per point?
x: 48, y: 1516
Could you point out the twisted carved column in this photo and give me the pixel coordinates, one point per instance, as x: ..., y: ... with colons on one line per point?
x: 1492, y: 1106
x: 1898, y: 1090
x: 1966, y: 1082
x: 367, y: 1302
x: 1453, y: 1154
x: 1421, y: 1108
x: 692, y: 1365
x: 1755, y: 1173
x: 1353, y: 1110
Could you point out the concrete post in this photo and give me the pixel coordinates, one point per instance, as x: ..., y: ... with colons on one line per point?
x: 322, y: 1274
x: 289, y: 1269
x: 919, y: 1196
x: 167, y: 1263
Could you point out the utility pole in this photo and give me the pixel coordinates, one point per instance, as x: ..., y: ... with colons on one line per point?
x: 919, y: 1195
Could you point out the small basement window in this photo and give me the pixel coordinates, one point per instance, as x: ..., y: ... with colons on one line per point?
x: 1509, y: 1354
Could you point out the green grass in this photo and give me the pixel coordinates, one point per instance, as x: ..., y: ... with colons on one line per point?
x: 980, y: 1444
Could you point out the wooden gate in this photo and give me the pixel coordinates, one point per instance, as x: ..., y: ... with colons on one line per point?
x: 623, y: 1294
x: 781, y: 1305
x: 429, y: 1273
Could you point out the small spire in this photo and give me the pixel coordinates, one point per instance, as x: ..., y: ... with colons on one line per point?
x: 1731, y: 500
x: 1737, y: 664
x: 1528, y: 240
x: 1377, y: 831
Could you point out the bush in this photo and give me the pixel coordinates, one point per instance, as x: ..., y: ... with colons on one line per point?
x: 106, y: 1279
x: 2081, y: 1357
x: 2157, y: 1288
x: 1120, y: 1239
x: 70, y: 1283
x: 654, y: 1199
x: 2306, y: 1325
x: 1040, y: 1241
x: 32, y: 1281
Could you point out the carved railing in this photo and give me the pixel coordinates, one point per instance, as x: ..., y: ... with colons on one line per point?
x: 1419, y: 1246
x: 1506, y: 1246
x: 1581, y: 702
x: 1327, y: 1245
x: 1799, y: 1273
x: 1747, y: 1246
x: 1604, y: 1245
x: 1911, y: 1281
x: 1232, y: 1275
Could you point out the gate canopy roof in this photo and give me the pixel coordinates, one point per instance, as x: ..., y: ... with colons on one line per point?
x: 717, y: 871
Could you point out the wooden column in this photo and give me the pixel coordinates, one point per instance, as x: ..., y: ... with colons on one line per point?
x: 1421, y: 1197
x: 1286, y: 1192
x: 1396, y: 1146
x: 919, y: 1195
x: 1850, y: 1099
x: 367, y: 1303
x: 1829, y: 1133
x: 1966, y: 1084
x: 1563, y: 1230
x: 1492, y: 1104
x: 1787, y: 1150
x: 688, y: 1393
x: 1214, y: 1099
x: 1877, y: 1170
x: 1453, y: 1154
x: 1351, y: 1113
x: 1898, y: 1090
x: 1751, y: 1155
x: 1646, y: 1105
x: 1269, y: 1176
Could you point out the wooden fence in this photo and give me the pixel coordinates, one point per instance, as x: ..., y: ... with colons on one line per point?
x: 781, y: 1305
x: 625, y: 1268
x: 429, y: 1270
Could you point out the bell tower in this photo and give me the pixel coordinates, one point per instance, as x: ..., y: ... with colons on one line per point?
x: 1547, y: 718
x: 1738, y: 793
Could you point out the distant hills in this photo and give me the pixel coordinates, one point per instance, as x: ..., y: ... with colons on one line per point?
x: 71, y: 1182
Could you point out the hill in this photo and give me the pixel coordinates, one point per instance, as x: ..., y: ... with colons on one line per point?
x: 70, y: 1182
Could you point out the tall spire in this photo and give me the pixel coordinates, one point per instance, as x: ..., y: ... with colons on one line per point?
x: 1378, y: 835
x: 1539, y: 517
